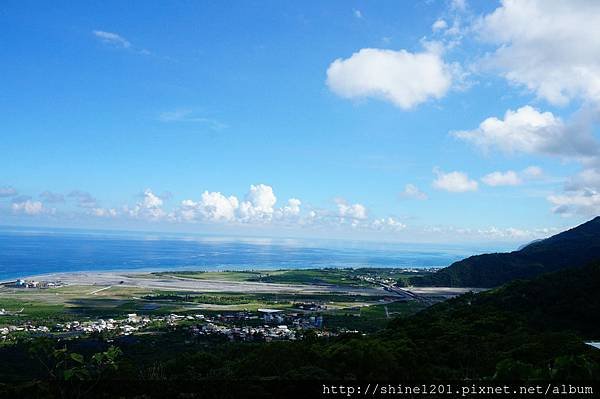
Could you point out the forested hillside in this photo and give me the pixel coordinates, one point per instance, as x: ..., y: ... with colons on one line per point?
x: 573, y: 248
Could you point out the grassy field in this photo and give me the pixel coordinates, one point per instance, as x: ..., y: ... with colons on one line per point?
x: 370, y: 318
x: 331, y: 276
x: 223, y: 276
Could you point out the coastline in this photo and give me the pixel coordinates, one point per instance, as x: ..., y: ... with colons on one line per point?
x: 147, y: 280
x: 166, y: 282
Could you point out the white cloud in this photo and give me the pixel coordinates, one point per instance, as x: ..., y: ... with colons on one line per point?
x: 550, y: 47
x: 150, y: 207
x: 259, y: 203
x: 458, y: 5
x: 7, y: 192
x: 581, y: 195
x: 357, y: 13
x: 351, y: 211
x: 533, y: 172
x: 28, y: 207
x: 587, y: 178
x: 151, y: 200
x: 509, y: 232
x: 455, y: 182
x: 213, y: 206
x: 527, y: 130
x: 104, y: 212
x: 258, y: 207
x: 439, y: 24
x: 584, y: 201
x: 412, y: 191
x: 492, y: 233
x: 388, y: 224
x: 291, y: 209
x: 508, y: 178
x: 406, y: 79
x: 512, y: 178
x: 112, y: 38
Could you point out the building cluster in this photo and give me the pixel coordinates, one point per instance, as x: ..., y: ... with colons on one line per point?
x: 278, y: 325
x: 34, y: 284
x: 126, y: 326
x: 29, y: 328
x: 258, y: 333
x: 382, y: 279
x: 379, y: 280
x: 267, y: 325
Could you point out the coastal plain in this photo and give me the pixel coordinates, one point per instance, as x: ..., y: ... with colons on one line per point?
x: 367, y: 295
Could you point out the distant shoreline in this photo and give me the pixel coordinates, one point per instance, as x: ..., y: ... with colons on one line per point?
x: 146, y: 270
x: 167, y: 282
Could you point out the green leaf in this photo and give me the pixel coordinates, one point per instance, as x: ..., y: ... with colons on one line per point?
x: 77, y: 357
x: 68, y: 374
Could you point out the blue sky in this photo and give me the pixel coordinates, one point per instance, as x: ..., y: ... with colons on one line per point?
x: 353, y: 119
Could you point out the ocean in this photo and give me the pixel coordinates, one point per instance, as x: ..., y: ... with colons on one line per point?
x: 27, y: 251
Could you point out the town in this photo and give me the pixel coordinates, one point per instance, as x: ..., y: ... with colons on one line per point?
x: 263, y: 325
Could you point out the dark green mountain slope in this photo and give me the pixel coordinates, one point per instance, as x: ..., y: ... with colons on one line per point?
x: 522, y: 330
x: 572, y: 248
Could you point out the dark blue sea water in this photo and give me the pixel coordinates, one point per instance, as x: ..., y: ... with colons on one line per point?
x: 25, y: 252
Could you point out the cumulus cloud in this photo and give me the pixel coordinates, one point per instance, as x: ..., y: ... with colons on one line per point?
x: 357, y: 13
x: 512, y: 178
x: 292, y: 209
x: 406, y: 79
x: 508, y: 178
x: 412, y: 191
x: 259, y: 203
x: 585, y: 201
x: 150, y: 207
x: 213, y: 206
x: 455, y: 182
x: 388, y: 224
x: 28, y: 207
x: 7, y: 191
x: 216, y: 207
x: 528, y: 130
x: 258, y: 206
x: 581, y: 195
x: 439, y: 24
x: 111, y: 38
x: 550, y: 47
x: 351, y: 211
x: 151, y: 200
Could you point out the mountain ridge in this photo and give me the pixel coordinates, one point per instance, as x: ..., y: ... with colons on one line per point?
x: 575, y: 247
